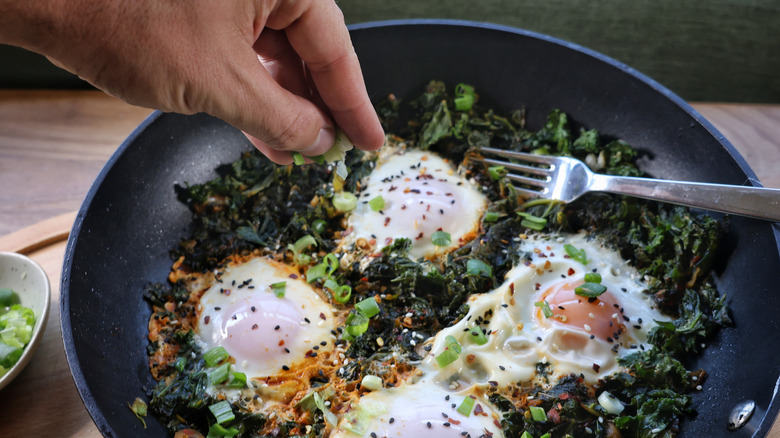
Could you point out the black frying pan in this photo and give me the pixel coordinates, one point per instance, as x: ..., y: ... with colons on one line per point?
x: 131, y: 217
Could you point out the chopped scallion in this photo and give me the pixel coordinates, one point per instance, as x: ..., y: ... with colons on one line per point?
x: 220, y: 374
x: 377, y: 203
x: 441, y: 238
x: 491, y: 216
x: 590, y: 290
x: 526, y: 435
x: 446, y: 357
x: 215, y: 356
x: 466, y: 406
x: 576, y: 254
x: 478, y: 336
x: 464, y: 97
x: 316, y: 272
x: 593, y: 277
x: 496, y: 172
x: 545, y: 306
x: 367, y: 307
x: 342, y: 294
x: 298, y: 158
x: 319, y: 226
x: 374, y: 383
x: 537, y: 413
x: 238, y: 380
x: 279, y: 288
x: 222, y: 411
x: 356, y: 324
x: 218, y: 431
x: 344, y: 201
x: 452, y: 344
x: 478, y: 267
x: 140, y: 410
x: 533, y: 222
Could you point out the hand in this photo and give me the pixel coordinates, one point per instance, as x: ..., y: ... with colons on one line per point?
x: 280, y: 70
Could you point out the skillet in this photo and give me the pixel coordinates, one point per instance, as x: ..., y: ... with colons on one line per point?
x: 131, y: 217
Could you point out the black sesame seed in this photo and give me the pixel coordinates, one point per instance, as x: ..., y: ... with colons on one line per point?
x: 285, y: 367
x: 277, y: 327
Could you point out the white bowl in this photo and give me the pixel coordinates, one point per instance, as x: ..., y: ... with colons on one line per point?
x: 31, y: 284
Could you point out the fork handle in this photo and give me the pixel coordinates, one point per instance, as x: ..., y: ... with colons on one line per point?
x: 756, y: 202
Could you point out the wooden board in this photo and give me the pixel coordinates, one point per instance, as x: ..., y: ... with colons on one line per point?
x: 45, y: 389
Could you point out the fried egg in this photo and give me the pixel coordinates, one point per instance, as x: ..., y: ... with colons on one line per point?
x: 421, y: 193
x: 419, y: 409
x: 535, y: 317
x: 262, y: 331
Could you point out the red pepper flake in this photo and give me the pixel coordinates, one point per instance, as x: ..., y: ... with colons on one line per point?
x: 364, y: 279
x: 428, y: 208
x: 424, y: 217
x: 227, y: 291
x: 596, y: 367
x: 429, y: 194
x: 322, y: 316
x: 479, y: 411
x: 511, y: 288
x: 387, y: 220
x: 206, y: 320
x: 565, y: 396
x: 570, y: 271
x: 392, y: 188
x: 403, y: 207
x: 453, y: 421
x: 281, y: 342
x: 388, y: 241
x: 293, y: 276
x: 497, y: 423
x: 554, y: 416
x: 419, y: 236
x: 537, y: 286
x: 254, y: 326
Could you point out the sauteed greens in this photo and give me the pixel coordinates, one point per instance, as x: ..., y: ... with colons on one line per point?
x: 257, y: 206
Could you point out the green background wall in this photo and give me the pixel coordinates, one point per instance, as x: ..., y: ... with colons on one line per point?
x: 716, y: 50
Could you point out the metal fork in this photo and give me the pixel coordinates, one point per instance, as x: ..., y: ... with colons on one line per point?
x: 566, y: 179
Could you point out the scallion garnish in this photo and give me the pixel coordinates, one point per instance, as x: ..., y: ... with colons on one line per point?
x: 331, y: 262
x: 496, y: 172
x: 367, y: 307
x: 538, y: 413
x: 356, y: 324
x: 446, y: 357
x: 478, y: 336
x: 215, y: 356
x: 478, y: 267
x: 441, y: 238
x: 222, y: 411
x: 344, y: 201
x: 545, y: 306
x: 452, y: 343
x: 297, y: 248
x: 377, y: 203
x: 533, y: 222
x: 374, y: 383
x: 238, y: 380
x: 464, y: 97
x: 590, y: 290
x: 316, y: 272
x: 279, y: 288
x: 220, y: 374
x: 491, y: 216
x: 342, y: 294
x: 526, y: 435
x: 218, y: 431
x: 466, y: 406
x: 298, y: 158
x: 593, y: 277
x: 576, y: 254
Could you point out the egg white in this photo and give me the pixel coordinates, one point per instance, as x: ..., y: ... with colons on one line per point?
x: 422, y: 409
x: 519, y: 338
x: 261, y: 331
x: 422, y: 194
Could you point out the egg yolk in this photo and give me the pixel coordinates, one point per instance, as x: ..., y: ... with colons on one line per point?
x: 256, y: 328
x: 598, y: 316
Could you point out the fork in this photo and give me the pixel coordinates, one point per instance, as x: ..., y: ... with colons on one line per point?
x: 566, y: 179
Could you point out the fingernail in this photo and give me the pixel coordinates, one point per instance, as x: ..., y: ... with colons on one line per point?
x: 325, y: 139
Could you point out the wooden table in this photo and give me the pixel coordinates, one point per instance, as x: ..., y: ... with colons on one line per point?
x: 53, y: 145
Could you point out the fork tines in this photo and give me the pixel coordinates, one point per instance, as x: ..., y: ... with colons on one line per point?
x: 543, y: 172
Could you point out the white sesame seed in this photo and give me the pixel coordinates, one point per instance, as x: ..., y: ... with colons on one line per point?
x: 591, y: 315
x: 587, y: 327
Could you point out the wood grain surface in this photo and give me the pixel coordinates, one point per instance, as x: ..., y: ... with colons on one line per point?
x: 54, y: 144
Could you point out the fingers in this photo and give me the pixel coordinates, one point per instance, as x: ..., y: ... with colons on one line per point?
x: 320, y: 37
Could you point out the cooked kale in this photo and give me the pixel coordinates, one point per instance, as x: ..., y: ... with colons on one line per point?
x: 256, y: 205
